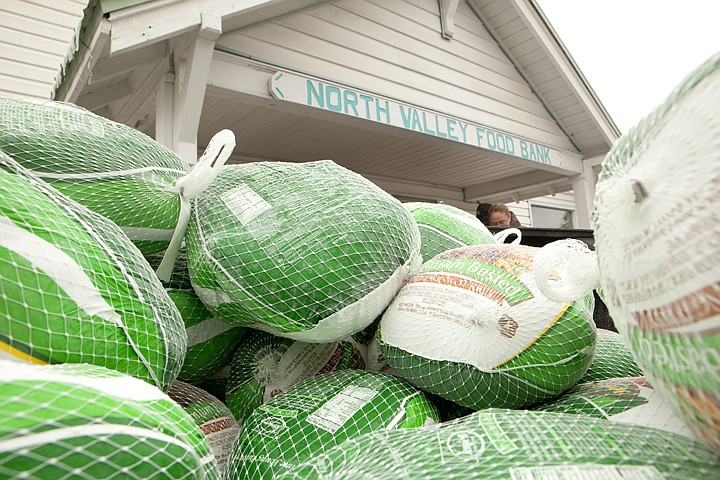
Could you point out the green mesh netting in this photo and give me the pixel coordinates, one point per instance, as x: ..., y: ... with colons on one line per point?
x: 473, y: 328
x: 443, y: 227
x: 213, y: 418
x: 322, y: 412
x: 110, y: 168
x: 75, y: 289
x: 265, y: 365
x: 211, y: 342
x: 310, y: 251
x: 656, y: 222
x: 518, y: 445
x: 89, y: 422
x: 613, y: 359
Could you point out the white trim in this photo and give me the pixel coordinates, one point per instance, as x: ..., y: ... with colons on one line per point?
x: 544, y: 203
x: 153, y: 22
x: 98, y: 44
x: 583, y: 189
x: 548, y: 41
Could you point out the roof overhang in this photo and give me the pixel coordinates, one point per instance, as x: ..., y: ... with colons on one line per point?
x: 125, y: 61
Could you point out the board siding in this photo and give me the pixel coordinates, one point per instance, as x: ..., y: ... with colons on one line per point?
x: 399, y: 53
x: 34, y: 38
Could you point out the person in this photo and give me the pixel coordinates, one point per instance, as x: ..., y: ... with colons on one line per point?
x: 499, y: 215
x: 482, y: 213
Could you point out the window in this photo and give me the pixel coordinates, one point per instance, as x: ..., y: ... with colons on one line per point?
x: 549, y: 217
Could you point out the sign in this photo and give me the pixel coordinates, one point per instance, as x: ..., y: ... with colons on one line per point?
x: 332, y: 97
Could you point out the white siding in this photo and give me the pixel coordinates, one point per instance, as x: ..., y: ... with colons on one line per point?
x: 522, y: 212
x: 34, y: 38
x: 565, y: 200
x: 395, y: 49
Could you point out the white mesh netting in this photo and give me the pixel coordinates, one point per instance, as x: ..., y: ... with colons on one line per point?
x: 657, y: 231
x: 443, y: 227
x: 313, y: 250
x: 211, y: 341
x: 321, y: 412
x: 265, y: 365
x: 517, y: 445
x: 612, y: 359
x: 110, y: 168
x: 213, y: 418
x: 306, y: 255
x: 88, y: 422
x: 473, y: 328
x: 75, y: 289
x: 565, y: 270
x: 627, y: 400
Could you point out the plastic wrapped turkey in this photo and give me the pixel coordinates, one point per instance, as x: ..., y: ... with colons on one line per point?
x: 74, y: 289
x: 474, y: 328
x: 310, y: 251
x: 108, y: 167
x: 87, y: 422
x: 657, y: 224
x: 443, y: 227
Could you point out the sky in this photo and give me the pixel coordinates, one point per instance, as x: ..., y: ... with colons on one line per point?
x: 634, y: 52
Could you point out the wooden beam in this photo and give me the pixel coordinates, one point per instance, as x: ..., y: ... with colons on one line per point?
x: 104, y: 96
x: 536, y: 179
x: 583, y: 190
x: 192, y: 67
x: 126, y: 62
x: 164, y: 109
x: 130, y: 113
x: 146, y: 24
x: 99, y: 44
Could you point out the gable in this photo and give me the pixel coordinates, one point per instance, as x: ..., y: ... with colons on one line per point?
x: 397, y: 52
x: 487, y: 104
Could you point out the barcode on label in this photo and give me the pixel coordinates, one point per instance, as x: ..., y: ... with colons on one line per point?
x: 335, y: 412
x: 587, y: 472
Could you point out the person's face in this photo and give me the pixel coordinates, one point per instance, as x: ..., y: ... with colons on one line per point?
x: 498, y: 219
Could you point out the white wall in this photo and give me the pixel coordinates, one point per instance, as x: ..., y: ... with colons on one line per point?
x: 395, y: 49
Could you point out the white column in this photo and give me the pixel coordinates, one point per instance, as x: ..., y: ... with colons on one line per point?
x: 582, y: 186
x: 164, y: 109
x: 192, y: 66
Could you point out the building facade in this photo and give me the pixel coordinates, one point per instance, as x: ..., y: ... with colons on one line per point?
x: 449, y: 101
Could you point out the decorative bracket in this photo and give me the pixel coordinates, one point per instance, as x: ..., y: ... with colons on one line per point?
x: 447, y: 17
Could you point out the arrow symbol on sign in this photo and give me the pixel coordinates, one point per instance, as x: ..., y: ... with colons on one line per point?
x: 277, y: 93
